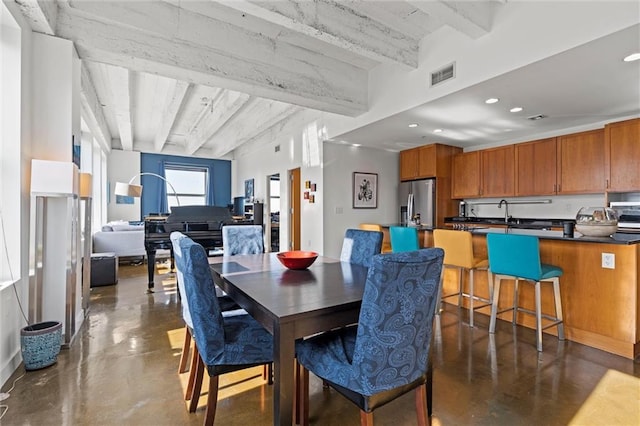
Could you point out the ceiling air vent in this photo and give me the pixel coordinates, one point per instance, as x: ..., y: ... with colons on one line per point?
x: 443, y: 74
x: 536, y: 117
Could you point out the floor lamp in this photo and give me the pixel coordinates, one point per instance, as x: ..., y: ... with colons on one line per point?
x: 131, y: 190
x: 54, y: 184
x: 86, y: 190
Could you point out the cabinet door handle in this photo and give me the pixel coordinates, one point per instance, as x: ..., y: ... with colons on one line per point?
x: 607, y: 184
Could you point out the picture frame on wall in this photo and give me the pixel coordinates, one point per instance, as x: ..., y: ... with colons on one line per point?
x: 365, y: 190
x: 248, y: 189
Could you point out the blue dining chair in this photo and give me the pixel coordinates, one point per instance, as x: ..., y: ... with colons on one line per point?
x: 225, y: 343
x: 387, y: 354
x: 517, y: 257
x: 242, y: 239
x: 403, y: 238
x: 227, y: 305
x: 359, y: 246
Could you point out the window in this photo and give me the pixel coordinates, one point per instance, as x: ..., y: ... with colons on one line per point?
x: 190, y: 184
x: 274, y: 194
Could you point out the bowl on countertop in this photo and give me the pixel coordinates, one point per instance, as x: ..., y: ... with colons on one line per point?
x: 596, y: 221
x: 297, y: 259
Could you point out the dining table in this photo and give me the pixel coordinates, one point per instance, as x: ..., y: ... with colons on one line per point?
x: 291, y: 304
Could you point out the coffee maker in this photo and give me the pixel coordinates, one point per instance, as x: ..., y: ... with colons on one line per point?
x: 462, y: 209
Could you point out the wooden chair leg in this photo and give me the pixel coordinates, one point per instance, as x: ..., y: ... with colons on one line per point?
x: 304, y: 396
x: 197, y: 384
x: 184, y: 357
x: 270, y: 373
x: 429, y: 388
x: 192, y: 373
x: 296, y: 391
x: 212, y: 401
x: 421, y: 406
x: 366, y: 419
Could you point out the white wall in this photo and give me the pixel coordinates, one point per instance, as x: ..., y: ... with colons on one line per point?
x: 340, y: 161
x: 300, y: 140
x: 121, y: 167
x: 11, y: 320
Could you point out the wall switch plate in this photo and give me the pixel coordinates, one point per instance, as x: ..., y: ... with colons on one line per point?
x: 609, y: 260
x: 339, y: 210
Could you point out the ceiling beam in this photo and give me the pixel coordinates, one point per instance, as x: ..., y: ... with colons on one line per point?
x: 261, y: 113
x: 198, y: 49
x: 336, y: 24
x: 92, y: 110
x: 121, y: 86
x: 222, y: 108
x: 41, y: 14
x: 471, y: 18
x: 175, y: 98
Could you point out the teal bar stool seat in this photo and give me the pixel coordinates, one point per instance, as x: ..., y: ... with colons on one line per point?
x: 403, y: 238
x: 517, y: 257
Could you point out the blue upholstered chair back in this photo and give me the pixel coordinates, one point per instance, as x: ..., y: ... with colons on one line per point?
x: 515, y: 255
x: 242, y: 239
x: 360, y: 246
x: 177, y: 255
x: 208, y: 328
x: 396, y: 319
x: 403, y: 238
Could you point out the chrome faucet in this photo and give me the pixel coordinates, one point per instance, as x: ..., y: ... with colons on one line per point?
x: 506, y: 209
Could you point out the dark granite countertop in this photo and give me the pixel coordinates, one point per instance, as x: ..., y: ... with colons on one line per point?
x: 617, y: 238
x: 524, y: 223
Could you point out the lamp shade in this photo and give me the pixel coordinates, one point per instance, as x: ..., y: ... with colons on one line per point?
x: 57, y: 178
x: 85, y: 185
x: 128, y: 189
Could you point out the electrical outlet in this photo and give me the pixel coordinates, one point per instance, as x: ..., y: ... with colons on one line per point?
x: 609, y: 260
x: 339, y: 210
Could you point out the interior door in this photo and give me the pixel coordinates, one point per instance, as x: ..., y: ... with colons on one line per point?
x: 294, y: 209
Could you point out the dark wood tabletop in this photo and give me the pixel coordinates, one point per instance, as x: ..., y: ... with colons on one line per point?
x: 291, y: 304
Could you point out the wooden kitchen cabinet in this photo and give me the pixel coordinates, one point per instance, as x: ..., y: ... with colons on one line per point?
x: 535, y: 167
x: 581, y: 163
x: 497, y: 166
x: 409, y: 164
x: 466, y: 175
x: 426, y: 161
x: 622, y: 152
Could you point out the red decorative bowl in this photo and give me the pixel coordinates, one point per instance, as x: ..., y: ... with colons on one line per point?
x: 297, y: 259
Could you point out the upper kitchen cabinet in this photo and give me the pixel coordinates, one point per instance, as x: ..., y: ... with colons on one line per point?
x: 581, y: 163
x: 497, y: 166
x: 409, y: 164
x: 466, y: 175
x: 536, y: 167
x: 426, y: 161
x: 622, y: 152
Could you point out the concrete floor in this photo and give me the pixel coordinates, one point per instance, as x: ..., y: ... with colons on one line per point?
x: 122, y: 370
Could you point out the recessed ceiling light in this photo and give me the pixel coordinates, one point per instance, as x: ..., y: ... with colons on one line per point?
x: 413, y: 125
x: 356, y: 145
x: 516, y: 109
x: 632, y: 57
x: 491, y: 101
x: 437, y: 131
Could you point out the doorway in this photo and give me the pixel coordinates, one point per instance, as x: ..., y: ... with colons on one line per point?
x: 294, y: 211
x: 273, y: 206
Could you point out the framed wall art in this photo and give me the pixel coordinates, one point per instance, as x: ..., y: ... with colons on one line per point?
x: 365, y: 190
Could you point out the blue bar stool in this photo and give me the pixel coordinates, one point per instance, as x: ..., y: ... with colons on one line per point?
x: 517, y: 257
x: 403, y: 238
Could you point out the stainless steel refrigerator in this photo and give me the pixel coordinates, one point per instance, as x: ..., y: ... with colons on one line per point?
x: 417, y: 198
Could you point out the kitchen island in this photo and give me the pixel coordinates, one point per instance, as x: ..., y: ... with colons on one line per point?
x: 601, y: 305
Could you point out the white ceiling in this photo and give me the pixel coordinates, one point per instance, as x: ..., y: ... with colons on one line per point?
x: 584, y: 85
x: 203, y: 77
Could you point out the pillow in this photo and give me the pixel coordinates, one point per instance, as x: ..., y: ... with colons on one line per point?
x: 127, y: 227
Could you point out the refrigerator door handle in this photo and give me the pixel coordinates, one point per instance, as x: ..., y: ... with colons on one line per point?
x: 410, y: 209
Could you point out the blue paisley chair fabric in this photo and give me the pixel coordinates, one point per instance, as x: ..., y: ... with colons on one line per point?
x: 387, y: 354
x: 403, y: 238
x: 242, y: 239
x: 225, y: 344
x: 359, y: 246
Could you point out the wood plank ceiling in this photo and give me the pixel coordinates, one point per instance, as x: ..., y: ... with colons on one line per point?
x: 190, y: 77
